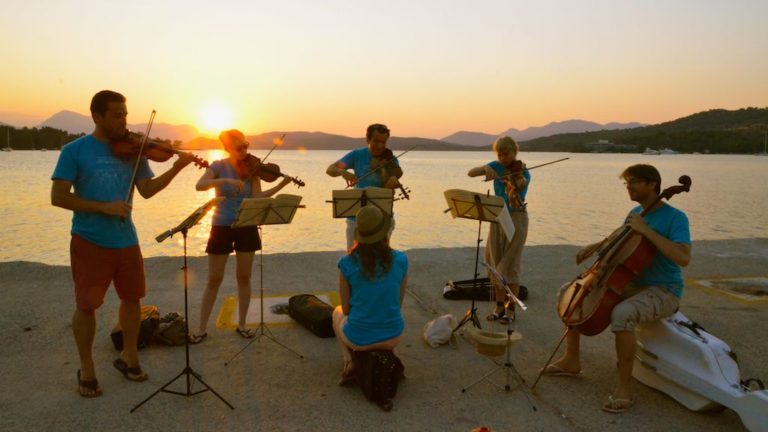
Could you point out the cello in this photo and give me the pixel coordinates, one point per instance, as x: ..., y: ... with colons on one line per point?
x: 587, y: 302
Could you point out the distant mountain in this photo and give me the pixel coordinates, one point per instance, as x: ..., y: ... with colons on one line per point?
x: 554, y: 128
x: 476, y: 139
x: 713, y: 131
x: 75, y: 123
x: 69, y: 121
x: 324, y: 141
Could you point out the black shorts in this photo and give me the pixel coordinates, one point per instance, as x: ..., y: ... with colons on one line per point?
x: 223, y: 240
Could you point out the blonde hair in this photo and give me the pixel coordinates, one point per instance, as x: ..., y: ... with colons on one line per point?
x: 227, y: 137
x: 506, y: 144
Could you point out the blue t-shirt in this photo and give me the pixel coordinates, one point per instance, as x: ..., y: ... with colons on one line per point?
x: 97, y: 175
x: 498, y: 186
x: 374, y: 305
x: 360, y: 161
x: 672, y: 224
x: 226, y: 211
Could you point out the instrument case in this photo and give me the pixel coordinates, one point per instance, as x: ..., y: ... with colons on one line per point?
x: 678, y: 357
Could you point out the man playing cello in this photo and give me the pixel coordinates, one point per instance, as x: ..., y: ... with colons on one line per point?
x: 657, y: 289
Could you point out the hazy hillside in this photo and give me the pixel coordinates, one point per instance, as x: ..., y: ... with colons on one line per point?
x: 713, y: 131
x: 553, y: 128
x: 476, y: 139
x: 75, y: 123
x: 69, y: 121
x: 324, y: 141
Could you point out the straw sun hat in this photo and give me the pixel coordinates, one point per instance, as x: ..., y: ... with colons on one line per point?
x: 372, y: 225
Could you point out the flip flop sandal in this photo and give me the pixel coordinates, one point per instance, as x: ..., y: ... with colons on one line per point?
x: 552, y: 370
x: 92, y: 385
x: 246, y: 334
x: 195, y: 339
x: 385, y: 404
x: 617, y: 406
x: 130, y: 373
x: 347, y: 375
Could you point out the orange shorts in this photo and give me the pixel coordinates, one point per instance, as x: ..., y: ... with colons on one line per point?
x: 95, y: 267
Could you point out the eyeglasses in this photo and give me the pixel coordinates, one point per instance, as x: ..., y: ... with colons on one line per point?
x: 633, y: 181
x: 243, y: 146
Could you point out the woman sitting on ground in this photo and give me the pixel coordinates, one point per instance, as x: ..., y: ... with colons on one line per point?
x: 371, y: 287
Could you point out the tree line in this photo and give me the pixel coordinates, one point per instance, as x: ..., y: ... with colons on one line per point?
x: 47, y: 138
x: 719, y: 131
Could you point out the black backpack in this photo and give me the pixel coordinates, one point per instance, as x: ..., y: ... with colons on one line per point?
x: 150, y: 320
x: 378, y: 374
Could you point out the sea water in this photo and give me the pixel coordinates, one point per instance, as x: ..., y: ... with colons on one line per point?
x: 577, y: 201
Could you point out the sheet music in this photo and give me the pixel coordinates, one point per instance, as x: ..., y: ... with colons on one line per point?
x: 505, y: 221
x: 267, y: 211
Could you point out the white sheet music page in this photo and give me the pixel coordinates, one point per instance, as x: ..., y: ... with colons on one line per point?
x: 505, y: 220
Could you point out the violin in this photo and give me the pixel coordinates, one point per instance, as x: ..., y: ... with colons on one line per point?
x: 251, y: 166
x: 515, y: 181
x: 589, y: 299
x: 387, y: 168
x: 128, y: 147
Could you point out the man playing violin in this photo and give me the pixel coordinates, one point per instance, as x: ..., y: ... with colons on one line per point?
x: 234, y: 178
x: 656, y: 291
x: 510, y: 181
x: 373, y: 165
x: 104, y: 248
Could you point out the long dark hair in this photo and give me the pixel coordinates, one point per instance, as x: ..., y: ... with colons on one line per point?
x: 371, y: 255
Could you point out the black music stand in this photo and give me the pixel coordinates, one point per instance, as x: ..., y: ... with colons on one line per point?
x: 480, y: 207
x: 507, y: 366
x: 265, y: 211
x: 346, y: 202
x: 183, y: 227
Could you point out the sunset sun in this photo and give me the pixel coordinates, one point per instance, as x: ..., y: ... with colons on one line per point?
x: 215, y: 118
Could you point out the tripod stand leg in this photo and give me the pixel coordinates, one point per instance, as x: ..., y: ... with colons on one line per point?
x: 549, y: 360
x: 469, y: 316
x: 188, y: 371
x: 488, y: 374
x: 262, y: 327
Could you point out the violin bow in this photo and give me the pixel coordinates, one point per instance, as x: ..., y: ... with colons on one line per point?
x: 278, y: 142
x: 380, y: 167
x: 533, y: 167
x: 129, y: 194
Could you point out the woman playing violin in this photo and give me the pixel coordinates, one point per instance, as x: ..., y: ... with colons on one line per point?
x: 510, y: 181
x: 234, y: 180
x: 657, y: 289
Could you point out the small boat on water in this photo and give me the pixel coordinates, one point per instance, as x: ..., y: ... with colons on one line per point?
x: 7, y: 147
x: 664, y: 151
x: 765, y: 147
x: 668, y: 151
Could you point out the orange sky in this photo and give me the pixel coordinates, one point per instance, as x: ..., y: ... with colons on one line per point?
x: 427, y: 68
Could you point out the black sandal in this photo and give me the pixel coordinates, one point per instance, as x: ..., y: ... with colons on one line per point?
x: 497, y: 315
x: 92, y: 385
